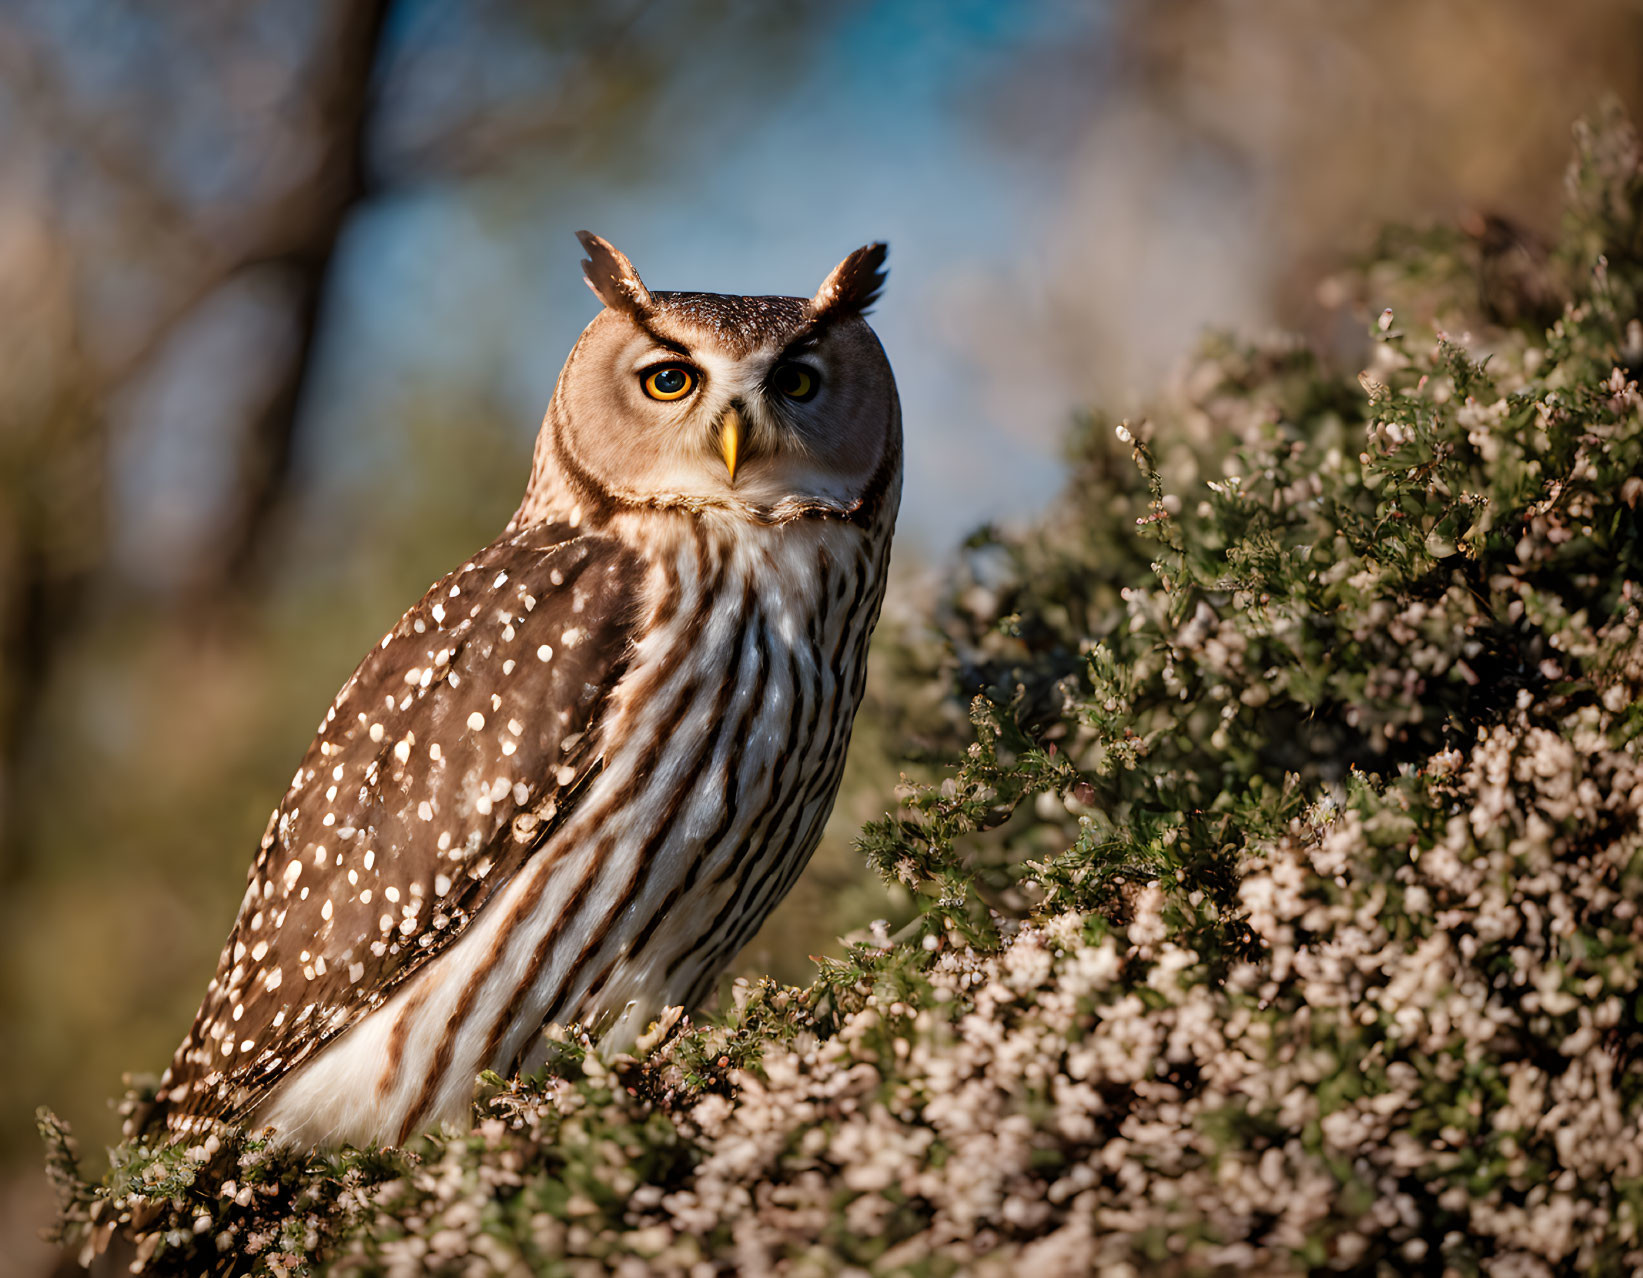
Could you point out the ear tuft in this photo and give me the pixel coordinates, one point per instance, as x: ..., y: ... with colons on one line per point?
x: 611, y: 276
x: 853, y: 285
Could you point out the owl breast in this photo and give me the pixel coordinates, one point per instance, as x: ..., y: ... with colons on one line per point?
x: 724, y: 745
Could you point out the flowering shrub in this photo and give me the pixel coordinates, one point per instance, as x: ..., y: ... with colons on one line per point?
x: 1280, y: 912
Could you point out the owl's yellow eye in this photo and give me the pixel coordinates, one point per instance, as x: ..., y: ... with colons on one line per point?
x: 796, y: 381
x: 671, y: 381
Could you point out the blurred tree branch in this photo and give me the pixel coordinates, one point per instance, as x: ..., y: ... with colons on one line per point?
x: 195, y: 254
x: 342, y: 93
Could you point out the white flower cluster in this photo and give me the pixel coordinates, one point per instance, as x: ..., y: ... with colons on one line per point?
x: 1429, y: 1052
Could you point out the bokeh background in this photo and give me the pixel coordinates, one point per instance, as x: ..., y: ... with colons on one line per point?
x: 285, y: 286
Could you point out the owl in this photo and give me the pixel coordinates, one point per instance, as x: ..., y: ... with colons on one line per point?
x: 574, y: 778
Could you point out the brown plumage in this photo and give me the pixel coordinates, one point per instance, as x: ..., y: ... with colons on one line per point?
x: 577, y: 775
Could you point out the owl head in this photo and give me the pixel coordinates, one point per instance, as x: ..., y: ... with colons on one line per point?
x: 758, y: 407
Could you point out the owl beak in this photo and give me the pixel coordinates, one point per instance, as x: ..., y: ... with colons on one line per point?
x: 730, y: 439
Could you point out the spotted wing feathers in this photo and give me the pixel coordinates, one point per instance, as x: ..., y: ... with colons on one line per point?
x: 437, y: 771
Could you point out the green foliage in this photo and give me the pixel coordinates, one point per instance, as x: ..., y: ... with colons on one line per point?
x: 1278, y: 911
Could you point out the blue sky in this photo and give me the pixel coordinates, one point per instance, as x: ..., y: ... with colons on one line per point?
x: 754, y: 185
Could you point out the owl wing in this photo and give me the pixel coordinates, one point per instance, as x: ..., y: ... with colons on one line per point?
x: 439, y: 769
